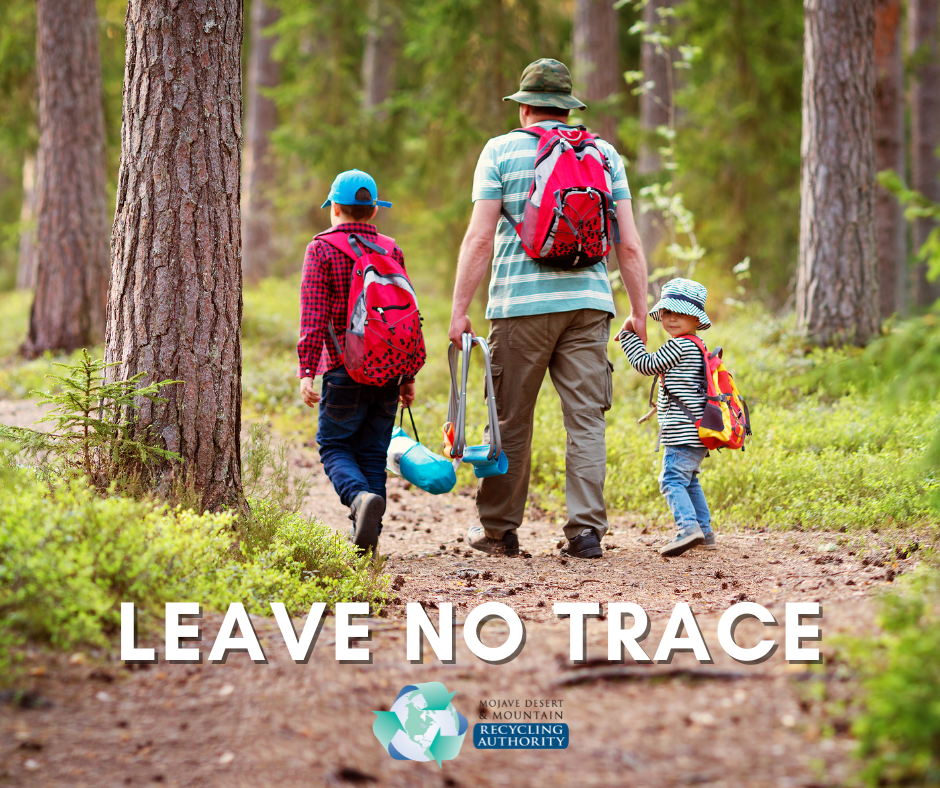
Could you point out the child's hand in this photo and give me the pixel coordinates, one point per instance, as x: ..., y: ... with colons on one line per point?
x: 406, y: 393
x: 309, y: 394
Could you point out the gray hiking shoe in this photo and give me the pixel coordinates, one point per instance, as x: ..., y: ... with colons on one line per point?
x: 682, y: 543
x: 585, y: 545
x: 366, y: 513
x: 708, y: 543
x: 478, y: 539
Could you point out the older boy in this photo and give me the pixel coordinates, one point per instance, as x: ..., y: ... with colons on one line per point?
x: 356, y: 420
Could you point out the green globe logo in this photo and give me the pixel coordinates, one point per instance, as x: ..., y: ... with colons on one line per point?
x: 423, y: 725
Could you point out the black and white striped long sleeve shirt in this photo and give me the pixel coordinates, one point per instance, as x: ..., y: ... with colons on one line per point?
x: 681, y: 363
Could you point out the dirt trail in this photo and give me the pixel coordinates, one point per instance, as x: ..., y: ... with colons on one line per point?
x: 309, y: 725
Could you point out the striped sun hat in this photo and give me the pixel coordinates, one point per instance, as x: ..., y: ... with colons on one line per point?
x: 684, y: 297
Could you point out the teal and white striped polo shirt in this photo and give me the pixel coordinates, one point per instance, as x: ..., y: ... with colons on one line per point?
x: 519, y: 285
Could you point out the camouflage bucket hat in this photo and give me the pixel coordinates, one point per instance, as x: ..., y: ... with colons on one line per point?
x: 546, y: 83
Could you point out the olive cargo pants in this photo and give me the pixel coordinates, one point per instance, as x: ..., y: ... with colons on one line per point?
x: 572, y: 346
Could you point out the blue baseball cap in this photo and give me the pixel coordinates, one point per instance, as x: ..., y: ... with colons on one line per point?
x: 346, y: 184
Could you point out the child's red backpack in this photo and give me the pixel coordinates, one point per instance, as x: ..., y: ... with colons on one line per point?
x: 383, y: 327
x: 570, y: 210
x: 726, y: 420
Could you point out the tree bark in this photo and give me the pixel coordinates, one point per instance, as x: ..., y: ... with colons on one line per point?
x: 72, y: 224
x: 925, y: 128
x: 26, y: 268
x: 837, y: 280
x: 654, y: 112
x: 260, y: 121
x: 378, y: 61
x: 889, y: 155
x: 596, y: 70
x: 175, y: 304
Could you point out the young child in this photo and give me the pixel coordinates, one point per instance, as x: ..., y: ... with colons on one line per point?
x: 356, y: 420
x: 681, y: 401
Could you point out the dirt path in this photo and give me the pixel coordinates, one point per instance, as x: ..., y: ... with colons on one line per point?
x: 309, y: 725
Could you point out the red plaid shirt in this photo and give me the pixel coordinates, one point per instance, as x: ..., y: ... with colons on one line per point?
x: 324, y: 291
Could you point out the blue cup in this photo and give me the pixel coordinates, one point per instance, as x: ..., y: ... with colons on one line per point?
x: 482, y: 467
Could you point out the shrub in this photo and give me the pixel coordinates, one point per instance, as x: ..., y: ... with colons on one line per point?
x: 898, y: 729
x: 69, y: 557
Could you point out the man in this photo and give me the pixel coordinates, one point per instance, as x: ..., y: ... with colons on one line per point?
x: 544, y: 319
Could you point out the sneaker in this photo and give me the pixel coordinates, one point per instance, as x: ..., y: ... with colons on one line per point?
x: 682, y: 543
x: 366, y: 513
x: 708, y: 543
x: 478, y: 539
x: 586, y: 544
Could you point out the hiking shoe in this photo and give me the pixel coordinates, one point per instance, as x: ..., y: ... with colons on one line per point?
x: 478, y: 539
x: 586, y: 544
x: 366, y: 513
x: 682, y: 543
x: 708, y: 543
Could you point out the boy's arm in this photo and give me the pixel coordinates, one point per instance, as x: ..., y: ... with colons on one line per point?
x: 314, y: 315
x: 645, y: 363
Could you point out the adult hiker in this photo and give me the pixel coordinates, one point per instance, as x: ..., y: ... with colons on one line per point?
x: 551, y: 313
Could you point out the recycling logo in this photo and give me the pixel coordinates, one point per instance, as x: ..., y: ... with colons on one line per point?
x: 423, y: 725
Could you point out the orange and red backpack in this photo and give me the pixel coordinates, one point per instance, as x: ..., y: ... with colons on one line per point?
x: 726, y: 420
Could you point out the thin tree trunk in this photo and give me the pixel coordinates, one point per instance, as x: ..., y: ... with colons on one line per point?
x: 889, y: 155
x: 26, y: 269
x: 654, y: 112
x: 378, y: 61
x: 175, y: 304
x: 925, y: 128
x: 260, y: 121
x: 837, y: 280
x: 72, y: 223
x: 596, y: 71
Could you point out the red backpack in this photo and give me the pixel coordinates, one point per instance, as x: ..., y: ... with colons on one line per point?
x: 570, y: 209
x: 383, y: 327
x: 726, y: 421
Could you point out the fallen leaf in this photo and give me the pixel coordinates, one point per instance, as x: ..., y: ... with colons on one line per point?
x: 226, y: 758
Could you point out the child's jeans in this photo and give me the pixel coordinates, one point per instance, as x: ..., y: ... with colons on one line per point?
x: 355, y: 429
x: 678, y: 481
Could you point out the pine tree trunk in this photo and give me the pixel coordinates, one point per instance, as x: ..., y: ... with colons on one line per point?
x: 925, y: 128
x: 889, y: 155
x: 71, y: 201
x: 175, y: 304
x: 378, y: 61
x: 654, y: 112
x: 837, y: 281
x: 596, y: 71
x: 26, y: 268
x: 260, y: 121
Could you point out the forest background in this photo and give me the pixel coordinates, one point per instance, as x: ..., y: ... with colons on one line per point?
x: 706, y: 102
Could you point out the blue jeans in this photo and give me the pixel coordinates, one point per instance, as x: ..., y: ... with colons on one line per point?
x: 678, y: 481
x: 354, y: 431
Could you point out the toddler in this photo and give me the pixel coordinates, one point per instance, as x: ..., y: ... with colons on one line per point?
x: 680, y: 366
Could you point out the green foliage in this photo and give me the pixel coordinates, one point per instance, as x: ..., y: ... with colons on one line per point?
x: 917, y: 206
x: 738, y: 141
x: 94, y: 433
x: 898, y: 729
x: 898, y: 370
x: 69, y: 557
x: 266, y: 472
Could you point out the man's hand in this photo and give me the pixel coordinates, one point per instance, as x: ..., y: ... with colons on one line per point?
x: 638, y: 325
x: 406, y: 393
x: 309, y: 394
x: 634, y: 324
x: 459, y: 324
